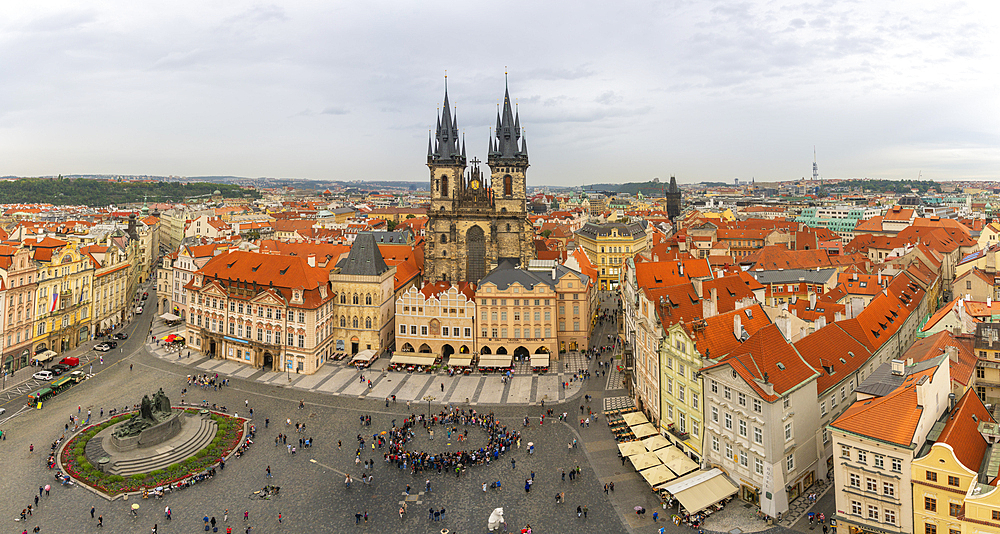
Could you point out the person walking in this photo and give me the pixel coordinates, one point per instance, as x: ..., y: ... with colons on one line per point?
x: 246, y: 515
x: 585, y: 511
x: 357, y: 518
x: 579, y: 511
x: 100, y: 521
x: 225, y: 516
x: 269, y: 472
x: 92, y: 510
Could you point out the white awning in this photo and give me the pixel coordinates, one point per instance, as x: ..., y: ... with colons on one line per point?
x: 45, y: 356
x: 539, y: 360
x: 414, y: 358
x: 170, y: 317
x: 634, y: 418
x: 698, y: 491
x: 364, y: 356
x: 644, y: 461
x: 631, y: 448
x: 654, y: 443
x: 643, y: 430
x: 460, y: 360
x: 495, y: 360
x: 657, y: 475
x: 677, y: 461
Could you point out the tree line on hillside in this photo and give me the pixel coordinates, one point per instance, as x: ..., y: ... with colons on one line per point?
x: 104, y: 193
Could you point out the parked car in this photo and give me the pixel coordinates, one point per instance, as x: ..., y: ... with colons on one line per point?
x: 43, y: 375
x: 60, y: 368
x: 138, y: 309
x: 112, y: 344
x: 3, y: 411
x: 70, y: 361
x: 120, y: 335
x: 103, y: 347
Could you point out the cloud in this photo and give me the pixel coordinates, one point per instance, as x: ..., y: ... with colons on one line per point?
x: 335, y: 110
x: 608, y: 98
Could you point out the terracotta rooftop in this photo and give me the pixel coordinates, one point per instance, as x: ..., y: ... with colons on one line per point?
x: 961, y: 431
x: 892, y: 418
x: 834, y: 353
x: 768, y: 353
x: 938, y: 344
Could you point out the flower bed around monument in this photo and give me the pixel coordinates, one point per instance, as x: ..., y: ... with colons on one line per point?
x: 75, y: 463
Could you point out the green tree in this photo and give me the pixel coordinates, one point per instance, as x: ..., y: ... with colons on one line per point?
x: 391, y: 225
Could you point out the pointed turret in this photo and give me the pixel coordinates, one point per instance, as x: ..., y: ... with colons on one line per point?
x: 508, y: 134
x: 430, y: 144
x: 524, y: 145
x: 447, y: 146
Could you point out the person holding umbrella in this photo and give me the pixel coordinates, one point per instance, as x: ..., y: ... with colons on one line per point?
x: 135, y: 506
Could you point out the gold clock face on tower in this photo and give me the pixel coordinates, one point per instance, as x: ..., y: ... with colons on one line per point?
x: 474, y: 184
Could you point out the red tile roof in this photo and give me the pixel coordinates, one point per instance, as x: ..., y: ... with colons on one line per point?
x: 768, y: 352
x: 669, y: 273
x: 961, y: 432
x: 715, y: 336
x: 834, y: 353
x: 938, y: 344
x: 434, y: 289
x: 773, y: 257
x: 892, y: 418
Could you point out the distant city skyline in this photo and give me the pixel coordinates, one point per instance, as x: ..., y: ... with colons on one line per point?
x: 705, y: 91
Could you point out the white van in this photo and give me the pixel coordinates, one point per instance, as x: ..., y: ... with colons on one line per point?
x: 43, y: 375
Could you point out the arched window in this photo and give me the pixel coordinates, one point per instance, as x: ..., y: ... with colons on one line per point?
x: 508, y: 185
x: 368, y: 322
x: 343, y: 321
x: 368, y: 300
x: 343, y: 298
x: 355, y: 300
x: 355, y: 322
x: 444, y: 185
x: 503, y: 210
x: 444, y: 238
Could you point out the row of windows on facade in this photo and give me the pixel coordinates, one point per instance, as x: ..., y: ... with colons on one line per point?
x: 888, y: 515
x: 744, y: 457
x: 420, y: 309
x: 878, y: 460
x: 617, y: 250
x: 263, y: 335
x: 871, y: 485
x: 682, y: 421
x: 508, y: 185
x: 527, y: 315
x: 262, y: 311
x: 10, y: 337
x: 758, y: 432
x: 66, y: 320
x: 445, y: 331
x: 527, y: 302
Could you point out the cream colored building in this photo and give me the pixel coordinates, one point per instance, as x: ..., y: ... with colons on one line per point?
x: 438, y: 318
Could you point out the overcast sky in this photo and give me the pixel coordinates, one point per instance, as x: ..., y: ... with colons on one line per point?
x: 607, y: 91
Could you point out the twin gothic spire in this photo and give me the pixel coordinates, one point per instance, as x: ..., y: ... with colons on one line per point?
x: 445, y: 144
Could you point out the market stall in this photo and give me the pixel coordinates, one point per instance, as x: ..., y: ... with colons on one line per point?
x: 540, y: 362
x: 45, y: 356
x: 413, y: 361
x: 495, y: 361
x: 364, y: 358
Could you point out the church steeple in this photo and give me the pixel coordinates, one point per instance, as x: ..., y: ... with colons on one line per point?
x: 508, y: 129
x: 448, y: 145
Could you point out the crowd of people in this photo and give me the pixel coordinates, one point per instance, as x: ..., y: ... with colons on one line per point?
x: 500, y: 440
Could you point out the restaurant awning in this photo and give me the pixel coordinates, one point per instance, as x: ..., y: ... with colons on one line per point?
x: 634, y: 418
x: 364, y: 356
x: 170, y: 317
x: 631, y: 448
x: 700, y: 490
x: 656, y: 442
x: 414, y: 358
x: 45, y: 356
x: 677, y: 461
x: 644, y: 461
x: 460, y: 360
x: 643, y: 430
x: 539, y: 360
x: 657, y: 475
x: 495, y: 360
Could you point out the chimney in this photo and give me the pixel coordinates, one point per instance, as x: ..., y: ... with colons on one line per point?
x: 880, y: 277
x: 951, y: 404
x: 820, y: 322
x: 714, y: 297
x: 812, y: 301
x: 698, y: 288
x: 784, y: 323
x: 952, y: 353
x: 311, y: 260
x: 837, y: 316
x: 897, y: 367
x: 855, y: 276
x: 737, y: 326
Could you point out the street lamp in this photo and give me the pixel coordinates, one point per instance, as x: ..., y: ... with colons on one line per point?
x: 429, y: 398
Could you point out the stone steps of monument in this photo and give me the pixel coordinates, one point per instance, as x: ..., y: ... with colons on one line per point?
x: 204, y: 435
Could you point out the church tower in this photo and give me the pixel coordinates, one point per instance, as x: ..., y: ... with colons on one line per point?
x: 445, y: 159
x: 508, y: 161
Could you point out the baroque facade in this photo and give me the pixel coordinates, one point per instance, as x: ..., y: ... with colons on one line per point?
x: 474, y: 223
